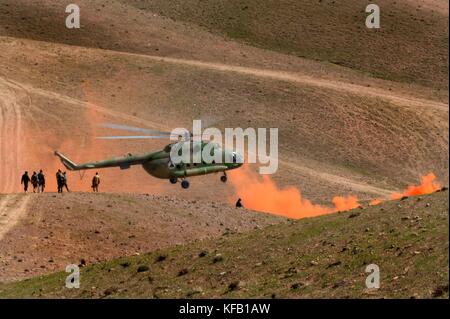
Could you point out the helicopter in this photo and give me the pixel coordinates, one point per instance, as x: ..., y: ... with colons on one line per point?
x: 158, y: 163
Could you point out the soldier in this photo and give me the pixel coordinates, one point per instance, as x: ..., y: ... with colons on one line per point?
x: 41, y: 181
x: 25, y: 180
x: 95, y: 182
x: 64, y: 179
x: 239, y: 203
x: 59, y: 181
x: 34, y: 182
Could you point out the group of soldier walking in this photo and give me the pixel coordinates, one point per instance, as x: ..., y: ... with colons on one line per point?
x: 61, y: 181
x: 38, y: 181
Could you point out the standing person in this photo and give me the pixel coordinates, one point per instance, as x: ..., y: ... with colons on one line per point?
x: 25, y: 180
x: 59, y: 181
x: 95, y: 182
x: 64, y: 176
x: 41, y: 181
x: 34, y: 181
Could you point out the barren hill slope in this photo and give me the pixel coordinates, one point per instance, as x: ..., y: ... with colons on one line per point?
x: 413, y: 34
x: 320, y: 257
x: 358, y: 136
x: 134, y: 64
x: 51, y: 231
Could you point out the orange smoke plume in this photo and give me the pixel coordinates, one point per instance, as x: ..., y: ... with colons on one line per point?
x: 262, y: 194
x: 428, y: 185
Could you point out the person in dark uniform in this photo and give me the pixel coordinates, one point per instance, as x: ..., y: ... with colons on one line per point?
x: 95, y: 182
x: 64, y: 179
x: 59, y: 181
x: 34, y: 181
x: 239, y: 203
x: 41, y: 181
x: 25, y: 180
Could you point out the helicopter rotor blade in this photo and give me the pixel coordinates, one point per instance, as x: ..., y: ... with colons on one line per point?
x: 134, y: 137
x: 124, y: 137
x: 133, y: 128
x: 206, y: 120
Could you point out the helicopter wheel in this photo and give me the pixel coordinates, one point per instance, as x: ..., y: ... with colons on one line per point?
x: 224, y: 178
x: 185, y: 184
x: 173, y: 180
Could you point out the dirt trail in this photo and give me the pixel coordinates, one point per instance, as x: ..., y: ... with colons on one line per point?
x: 12, y: 209
x: 356, y: 89
x: 79, y: 103
x: 10, y: 137
x: 342, y: 86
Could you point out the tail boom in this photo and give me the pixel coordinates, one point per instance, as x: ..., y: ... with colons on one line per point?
x: 67, y: 162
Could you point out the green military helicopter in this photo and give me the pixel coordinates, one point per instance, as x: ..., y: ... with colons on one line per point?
x: 159, y: 163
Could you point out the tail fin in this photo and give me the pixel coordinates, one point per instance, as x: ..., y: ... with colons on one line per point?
x: 67, y: 162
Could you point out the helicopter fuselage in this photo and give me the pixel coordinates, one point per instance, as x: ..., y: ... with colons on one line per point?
x: 160, y: 166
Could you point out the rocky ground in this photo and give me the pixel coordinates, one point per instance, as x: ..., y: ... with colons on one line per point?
x: 321, y: 257
x: 54, y: 230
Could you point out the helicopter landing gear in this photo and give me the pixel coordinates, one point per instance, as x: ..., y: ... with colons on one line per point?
x: 224, y: 177
x: 173, y: 180
x: 185, y: 183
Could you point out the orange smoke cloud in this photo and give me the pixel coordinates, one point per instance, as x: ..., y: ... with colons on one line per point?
x: 428, y: 185
x: 29, y: 137
x: 262, y: 194
x: 345, y: 203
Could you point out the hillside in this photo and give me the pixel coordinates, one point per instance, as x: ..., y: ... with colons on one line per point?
x: 332, y: 31
x: 414, y: 33
x: 42, y: 233
x: 322, y: 257
x: 361, y: 114
x: 349, y: 135
x: 142, y: 63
